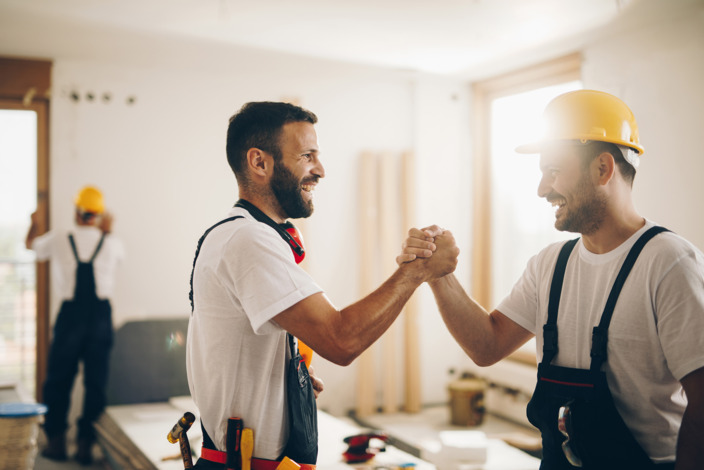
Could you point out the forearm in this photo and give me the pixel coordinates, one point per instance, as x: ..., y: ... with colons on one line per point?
x: 342, y: 335
x: 32, y: 233
x: 466, y: 320
x: 485, y: 337
x: 363, y: 322
x: 690, y: 452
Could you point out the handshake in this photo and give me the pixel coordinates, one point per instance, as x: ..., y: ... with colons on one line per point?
x: 431, y: 251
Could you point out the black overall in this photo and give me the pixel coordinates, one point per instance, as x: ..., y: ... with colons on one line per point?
x: 302, y: 445
x: 83, y: 332
x: 598, y: 434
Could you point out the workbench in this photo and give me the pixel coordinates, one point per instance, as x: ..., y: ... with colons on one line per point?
x: 133, y: 437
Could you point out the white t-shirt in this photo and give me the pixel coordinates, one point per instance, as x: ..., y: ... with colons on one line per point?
x: 55, y: 246
x: 656, y: 335
x: 236, y: 356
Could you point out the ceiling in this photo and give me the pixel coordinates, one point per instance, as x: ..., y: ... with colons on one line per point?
x: 436, y: 36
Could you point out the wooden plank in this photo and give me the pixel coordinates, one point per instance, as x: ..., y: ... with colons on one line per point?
x: 481, y: 213
x: 389, y: 242
x: 366, y: 386
x: 411, y: 345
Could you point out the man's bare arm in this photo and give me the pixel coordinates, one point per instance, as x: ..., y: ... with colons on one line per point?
x: 485, y: 337
x: 341, y: 335
x: 690, y: 451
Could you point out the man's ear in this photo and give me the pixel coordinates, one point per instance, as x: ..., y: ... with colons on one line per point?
x: 259, y: 163
x: 605, y: 166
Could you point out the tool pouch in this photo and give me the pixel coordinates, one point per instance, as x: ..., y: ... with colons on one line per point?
x: 598, y: 435
x: 302, y: 445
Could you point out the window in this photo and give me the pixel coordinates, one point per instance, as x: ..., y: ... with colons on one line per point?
x: 24, y: 169
x: 511, y: 223
x: 18, y: 191
x: 522, y: 223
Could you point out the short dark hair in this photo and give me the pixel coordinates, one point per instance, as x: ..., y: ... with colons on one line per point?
x: 258, y: 125
x: 594, y: 148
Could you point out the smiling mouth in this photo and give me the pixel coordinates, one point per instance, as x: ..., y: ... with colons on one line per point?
x: 558, y: 204
x: 309, y: 188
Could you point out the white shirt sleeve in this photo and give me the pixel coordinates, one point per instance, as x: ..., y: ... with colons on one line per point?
x: 264, y: 275
x: 42, y: 245
x: 523, y: 304
x: 679, y: 303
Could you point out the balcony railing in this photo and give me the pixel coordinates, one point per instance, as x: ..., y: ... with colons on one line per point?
x: 18, y: 323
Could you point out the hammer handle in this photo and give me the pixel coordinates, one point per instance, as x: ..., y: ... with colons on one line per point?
x: 185, y: 451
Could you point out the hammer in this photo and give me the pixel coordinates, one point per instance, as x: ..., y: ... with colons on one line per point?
x: 178, y: 433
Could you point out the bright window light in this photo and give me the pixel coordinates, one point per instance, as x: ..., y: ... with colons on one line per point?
x: 522, y: 222
x: 18, y: 199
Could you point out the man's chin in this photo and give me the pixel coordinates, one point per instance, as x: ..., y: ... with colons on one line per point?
x: 302, y: 212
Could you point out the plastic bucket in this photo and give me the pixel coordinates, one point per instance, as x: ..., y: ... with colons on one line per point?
x: 19, y: 429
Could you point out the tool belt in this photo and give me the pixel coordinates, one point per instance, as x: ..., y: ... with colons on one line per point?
x: 257, y: 464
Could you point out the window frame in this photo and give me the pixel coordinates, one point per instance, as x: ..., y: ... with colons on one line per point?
x: 28, y: 87
x: 553, y: 72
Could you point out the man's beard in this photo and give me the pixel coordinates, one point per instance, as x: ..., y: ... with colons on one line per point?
x: 287, y: 190
x: 585, y: 212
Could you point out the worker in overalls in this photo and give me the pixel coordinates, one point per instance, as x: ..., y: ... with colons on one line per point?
x: 251, y: 300
x: 83, y: 266
x: 618, y: 313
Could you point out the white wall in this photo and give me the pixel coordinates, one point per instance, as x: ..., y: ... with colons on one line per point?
x: 654, y: 61
x: 161, y: 161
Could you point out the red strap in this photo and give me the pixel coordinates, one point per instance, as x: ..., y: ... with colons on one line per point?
x: 263, y: 464
x: 257, y: 464
x: 213, y: 455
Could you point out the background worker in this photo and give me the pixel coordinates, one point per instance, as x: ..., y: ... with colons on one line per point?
x: 250, y: 299
x: 630, y: 393
x: 83, y: 268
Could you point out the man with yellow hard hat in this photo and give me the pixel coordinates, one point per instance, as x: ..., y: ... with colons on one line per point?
x: 83, y: 266
x: 618, y: 313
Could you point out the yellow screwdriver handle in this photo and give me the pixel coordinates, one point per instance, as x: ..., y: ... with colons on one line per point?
x: 246, y: 448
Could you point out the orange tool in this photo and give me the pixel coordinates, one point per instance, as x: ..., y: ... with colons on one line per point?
x: 288, y: 464
x: 306, y: 352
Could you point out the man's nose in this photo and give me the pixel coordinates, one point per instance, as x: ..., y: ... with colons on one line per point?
x: 318, y: 169
x: 545, y: 186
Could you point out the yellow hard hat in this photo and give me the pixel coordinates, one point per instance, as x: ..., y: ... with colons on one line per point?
x: 90, y: 199
x: 587, y: 115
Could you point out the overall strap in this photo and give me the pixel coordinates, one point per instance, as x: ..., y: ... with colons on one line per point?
x: 200, y: 243
x: 73, y: 247
x: 599, y: 333
x: 291, y: 345
x: 550, y: 328
x: 97, y: 248
x: 280, y: 229
x: 95, y: 253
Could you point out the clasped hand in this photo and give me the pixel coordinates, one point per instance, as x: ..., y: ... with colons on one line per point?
x: 434, y: 247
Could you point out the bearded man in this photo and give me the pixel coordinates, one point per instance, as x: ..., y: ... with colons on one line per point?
x: 618, y: 313
x: 251, y: 301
